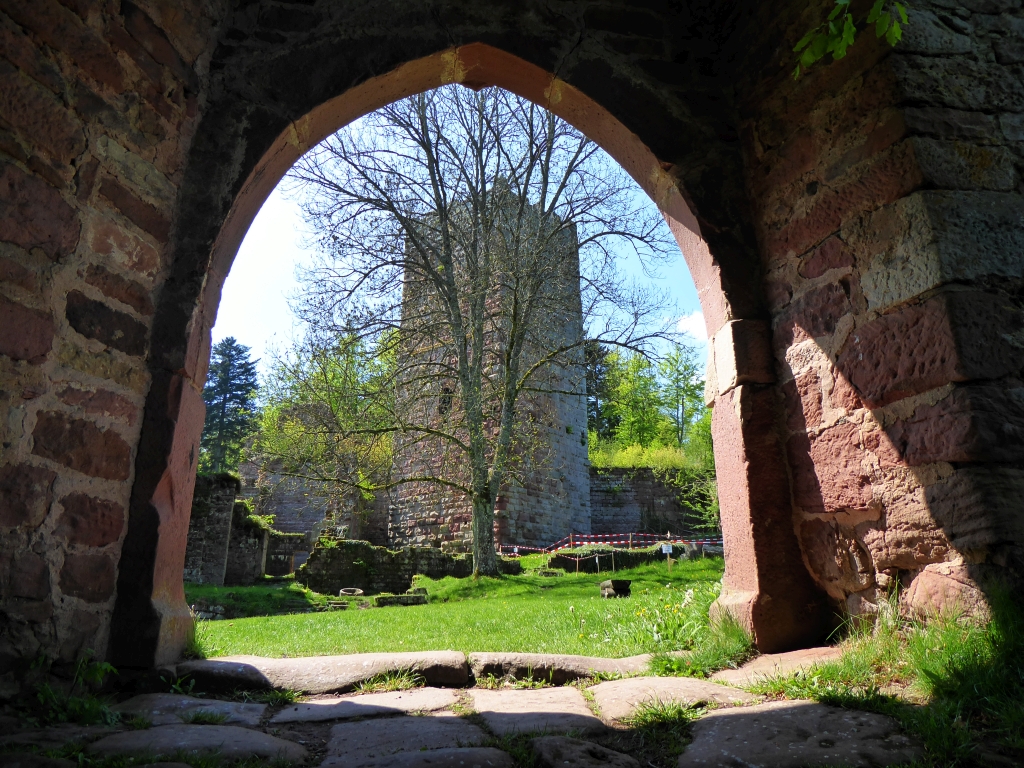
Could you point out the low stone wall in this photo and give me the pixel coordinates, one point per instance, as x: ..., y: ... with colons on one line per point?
x: 209, y: 529
x: 247, y: 551
x: 635, y: 500
x: 608, y: 559
x: 346, y: 563
x: 281, y: 549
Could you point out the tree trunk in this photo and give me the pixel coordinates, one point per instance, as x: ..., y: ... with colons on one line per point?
x: 485, y: 560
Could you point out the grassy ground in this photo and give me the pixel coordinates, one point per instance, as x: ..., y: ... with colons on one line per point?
x: 528, y: 613
x: 956, y: 685
x: 270, y: 597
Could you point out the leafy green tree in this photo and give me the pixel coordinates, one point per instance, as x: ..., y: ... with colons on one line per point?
x: 230, y: 397
x: 601, y: 421
x: 682, y: 389
x: 321, y: 424
x: 636, y: 399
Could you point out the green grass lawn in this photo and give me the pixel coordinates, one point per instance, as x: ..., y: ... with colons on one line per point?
x: 527, y: 613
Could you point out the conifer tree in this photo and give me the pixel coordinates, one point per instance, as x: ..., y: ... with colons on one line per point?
x: 230, y: 397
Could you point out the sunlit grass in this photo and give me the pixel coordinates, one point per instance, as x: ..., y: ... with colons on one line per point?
x: 956, y: 684
x: 527, y: 613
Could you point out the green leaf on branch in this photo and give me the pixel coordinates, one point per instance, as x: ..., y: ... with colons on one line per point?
x: 839, y: 31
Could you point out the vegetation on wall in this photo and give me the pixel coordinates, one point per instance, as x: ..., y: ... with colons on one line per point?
x: 647, y: 415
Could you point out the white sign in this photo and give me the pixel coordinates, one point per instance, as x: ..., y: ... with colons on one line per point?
x: 666, y: 549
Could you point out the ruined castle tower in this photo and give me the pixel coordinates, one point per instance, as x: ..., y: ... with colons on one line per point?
x: 548, y: 494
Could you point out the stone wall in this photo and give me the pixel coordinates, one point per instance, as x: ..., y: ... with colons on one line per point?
x: 636, y: 500
x: 209, y: 529
x: 888, y: 203
x: 345, y: 564
x: 860, y: 226
x: 247, y: 551
x: 281, y: 549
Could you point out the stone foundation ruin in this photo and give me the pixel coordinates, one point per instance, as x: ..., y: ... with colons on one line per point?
x: 855, y: 237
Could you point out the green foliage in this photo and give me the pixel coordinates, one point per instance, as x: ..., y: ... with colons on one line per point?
x: 78, y: 703
x: 230, y: 397
x: 720, y: 644
x: 203, y: 717
x: 837, y: 33
x: 268, y: 598
x: 661, y: 730
x: 328, y: 403
x: 963, y: 681
x: 396, y: 680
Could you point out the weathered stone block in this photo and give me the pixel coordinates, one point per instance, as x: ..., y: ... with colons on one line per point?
x: 95, y: 320
x: 973, y: 423
x: 831, y: 254
x: 25, y: 334
x: 136, y: 170
x: 952, y: 337
x: 26, y: 492
x: 89, y: 577
x: 827, y: 470
x: 742, y: 354
x: 959, y: 82
x: 979, y: 508
x: 803, y: 402
x: 81, y: 445
x: 813, y: 315
x: 60, y: 28
x: 143, y: 215
x: 135, y: 253
x: 100, y: 402
x: 34, y: 215
x: 129, y: 292
x: 952, y: 123
x: 837, y: 560
x: 90, y: 521
x: 930, y: 36
x: 38, y: 116
x: 931, y: 238
x: 24, y: 574
x: 959, y: 165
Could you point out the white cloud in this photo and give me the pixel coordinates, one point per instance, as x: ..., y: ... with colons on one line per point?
x: 693, y: 325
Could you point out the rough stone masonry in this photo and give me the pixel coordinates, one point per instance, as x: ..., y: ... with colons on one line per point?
x: 855, y: 238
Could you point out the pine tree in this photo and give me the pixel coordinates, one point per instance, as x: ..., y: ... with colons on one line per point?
x: 230, y: 396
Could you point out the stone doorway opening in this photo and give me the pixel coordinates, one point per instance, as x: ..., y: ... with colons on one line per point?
x: 477, y: 66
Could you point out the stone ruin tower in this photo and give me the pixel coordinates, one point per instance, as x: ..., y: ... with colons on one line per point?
x: 549, y: 497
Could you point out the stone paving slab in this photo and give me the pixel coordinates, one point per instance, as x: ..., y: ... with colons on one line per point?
x: 468, y: 757
x: 367, y: 705
x: 562, y: 751
x: 556, y: 669
x: 29, y: 760
x: 228, y: 741
x: 353, y: 744
x: 537, y: 710
x: 773, y: 664
x: 171, y: 709
x: 795, y: 734
x: 323, y: 674
x: 616, y: 699
x: 55, y: 736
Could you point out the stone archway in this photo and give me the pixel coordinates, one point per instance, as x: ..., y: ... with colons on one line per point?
x: 861, y: 278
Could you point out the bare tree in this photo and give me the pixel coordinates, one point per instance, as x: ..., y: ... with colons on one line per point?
x: 453, y: 229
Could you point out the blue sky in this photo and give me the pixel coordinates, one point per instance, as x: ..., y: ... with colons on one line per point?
x: 254, y: 304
